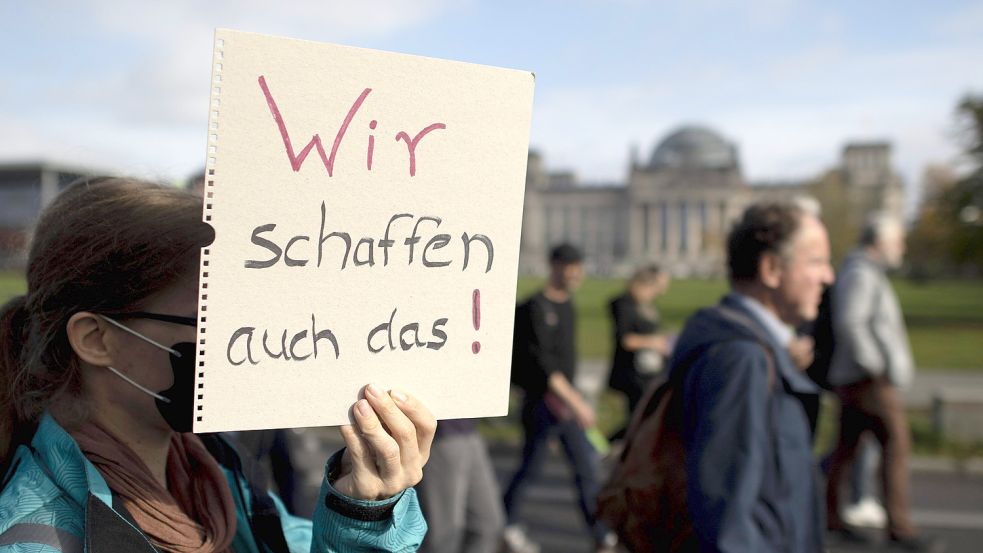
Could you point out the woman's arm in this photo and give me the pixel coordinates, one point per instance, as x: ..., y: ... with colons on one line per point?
x: 366, y: 501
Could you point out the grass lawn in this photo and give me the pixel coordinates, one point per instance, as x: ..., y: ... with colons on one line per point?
x: 11, y: 284
x: 945, y: 318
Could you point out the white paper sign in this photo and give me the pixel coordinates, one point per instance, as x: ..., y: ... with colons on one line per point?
x: 367, y: 208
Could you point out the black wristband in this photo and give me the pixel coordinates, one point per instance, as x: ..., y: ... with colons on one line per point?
x: 358, y: 512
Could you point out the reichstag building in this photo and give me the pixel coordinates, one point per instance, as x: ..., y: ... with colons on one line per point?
x: 677, y: 206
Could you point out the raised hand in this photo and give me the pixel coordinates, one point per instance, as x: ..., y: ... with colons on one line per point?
x: 387, y: 446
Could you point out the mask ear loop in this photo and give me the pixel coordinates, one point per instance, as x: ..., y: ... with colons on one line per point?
x: 133, y: 382
x: 118, y: 373
x: 141, y: 336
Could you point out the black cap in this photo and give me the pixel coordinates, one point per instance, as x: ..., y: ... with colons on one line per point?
x: 566, y: 254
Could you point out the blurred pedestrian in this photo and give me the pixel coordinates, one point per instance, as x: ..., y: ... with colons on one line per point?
x: 871, y: 363
x: 459, y: 494
x: 99, y: 358
x: 750, y: 473
x: 268, y: 462
x: 815, y: 348
x: 640, y: 349
x: 544, y: 366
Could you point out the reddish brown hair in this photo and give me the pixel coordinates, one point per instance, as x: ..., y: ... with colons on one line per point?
x: 103, y: 245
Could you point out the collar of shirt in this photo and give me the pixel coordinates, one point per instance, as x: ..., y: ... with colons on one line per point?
x: 775, y: 328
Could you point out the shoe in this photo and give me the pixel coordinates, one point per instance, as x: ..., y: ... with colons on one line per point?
x: 847, y: 535
x: 515, y: 540
x: 867, y: 513
x: 609, y: 544
x: 915, y: 543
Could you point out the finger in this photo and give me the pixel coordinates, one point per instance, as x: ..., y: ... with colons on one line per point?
x: 356, y: 447
x: 422, y: 419
x: 397, y: 423
x: 382, y: 448
x: 362, y: 465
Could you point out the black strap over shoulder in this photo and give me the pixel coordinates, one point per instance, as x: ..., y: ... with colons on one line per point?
x: 107, y: 530
x: 264, y: 518
x: 746, y: 322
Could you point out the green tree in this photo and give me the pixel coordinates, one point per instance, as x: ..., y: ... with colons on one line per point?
x: 948, y: 236
x: 964, y: 202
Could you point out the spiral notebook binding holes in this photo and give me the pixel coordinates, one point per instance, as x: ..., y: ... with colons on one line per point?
x: 209, y: 196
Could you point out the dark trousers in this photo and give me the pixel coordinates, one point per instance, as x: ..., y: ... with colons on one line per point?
x: 634, y: 395
x: 873, y: 405
x: 539, y: 425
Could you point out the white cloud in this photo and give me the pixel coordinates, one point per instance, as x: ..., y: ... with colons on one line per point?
x: 142, y: 110
x: 789, y: 112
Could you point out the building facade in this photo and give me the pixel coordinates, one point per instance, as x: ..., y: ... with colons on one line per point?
x: 25, y: 189
x: 677, y: 207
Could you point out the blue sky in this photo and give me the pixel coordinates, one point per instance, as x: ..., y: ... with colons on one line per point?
x: 124, y: 85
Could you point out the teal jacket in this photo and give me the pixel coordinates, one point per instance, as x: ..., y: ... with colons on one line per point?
x: 54, y: 499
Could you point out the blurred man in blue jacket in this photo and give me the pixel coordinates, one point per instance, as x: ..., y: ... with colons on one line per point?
x: 752, y: 483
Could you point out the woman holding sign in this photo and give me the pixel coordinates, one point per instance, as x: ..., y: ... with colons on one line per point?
x: 97, y: 380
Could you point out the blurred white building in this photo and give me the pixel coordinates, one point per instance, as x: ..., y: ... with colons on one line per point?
x: 677, y: 207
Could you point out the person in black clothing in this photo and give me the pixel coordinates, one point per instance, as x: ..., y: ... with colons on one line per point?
x: 639, y: 348
x: 543, y: 365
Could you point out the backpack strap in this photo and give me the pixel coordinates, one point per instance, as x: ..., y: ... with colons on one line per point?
x: 42, y: 534
x: 110, y: 529
x: 739, y: 318
x: 264, y: 518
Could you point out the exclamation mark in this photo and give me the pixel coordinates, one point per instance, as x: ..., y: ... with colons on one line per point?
x: 476, y: 317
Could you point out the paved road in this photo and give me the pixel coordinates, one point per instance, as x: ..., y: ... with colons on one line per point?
x: 946, y: 503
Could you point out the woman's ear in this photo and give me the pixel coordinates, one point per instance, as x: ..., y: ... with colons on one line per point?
x: 770, y: 269
x: 87, y: 336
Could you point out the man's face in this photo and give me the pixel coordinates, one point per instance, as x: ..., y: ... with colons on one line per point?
x: 567, y: 276
x: 891, y: 245
x: 805, y: 271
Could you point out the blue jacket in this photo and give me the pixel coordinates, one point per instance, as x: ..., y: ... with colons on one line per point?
x: 751, y: 477
x: 54, y: 499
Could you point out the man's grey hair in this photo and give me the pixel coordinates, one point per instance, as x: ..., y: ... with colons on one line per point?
x: 809, y: 205
x: 877, y: 224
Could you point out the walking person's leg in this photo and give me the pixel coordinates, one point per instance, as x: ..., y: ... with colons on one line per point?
x: 485, y: 515
x: 584, y: 461
x: 633, y: 395
x: 443, y: 495
x: 853, y: 422
x: 894, y: 435
x: 537, y: 424
x: 865, y: 469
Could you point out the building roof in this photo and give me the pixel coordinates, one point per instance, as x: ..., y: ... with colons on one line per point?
x: 694, y: 147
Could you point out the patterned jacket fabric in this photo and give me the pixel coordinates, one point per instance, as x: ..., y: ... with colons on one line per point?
x: 54, y: 499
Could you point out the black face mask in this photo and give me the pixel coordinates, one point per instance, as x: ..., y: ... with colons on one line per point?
x: 175, y: 404
x: 178, y: 411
